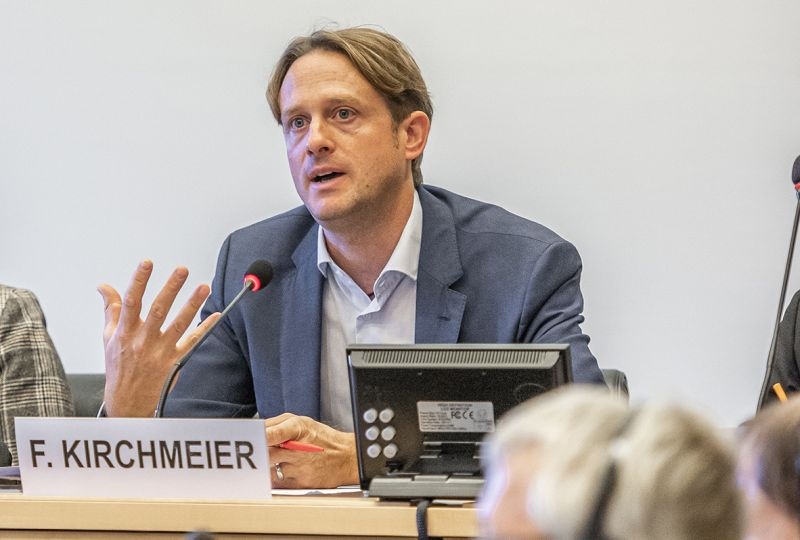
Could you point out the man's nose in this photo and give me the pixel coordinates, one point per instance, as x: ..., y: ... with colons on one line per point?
x: 319, y: 139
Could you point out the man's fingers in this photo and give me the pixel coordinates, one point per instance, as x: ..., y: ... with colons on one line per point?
x: 132, y: 303
x: 112, y: 304
x: 205, y: 325
x: 275, y: 420
x: 180, y: 324
x: 163, y: 302
x: 195, y: 335
x: 284, y: 428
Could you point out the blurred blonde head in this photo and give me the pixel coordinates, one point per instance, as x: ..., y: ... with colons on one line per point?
x: 672, y: 476
x: 769, y: 472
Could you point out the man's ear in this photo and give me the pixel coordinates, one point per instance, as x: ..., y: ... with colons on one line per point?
x: 415, y: 129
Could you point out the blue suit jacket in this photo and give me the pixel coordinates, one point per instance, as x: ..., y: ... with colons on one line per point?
x: 485, y: 276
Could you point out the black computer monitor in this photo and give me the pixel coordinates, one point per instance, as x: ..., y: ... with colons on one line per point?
x: 420, y: 412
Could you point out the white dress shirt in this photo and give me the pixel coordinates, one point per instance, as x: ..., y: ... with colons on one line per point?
x: 349, y: 315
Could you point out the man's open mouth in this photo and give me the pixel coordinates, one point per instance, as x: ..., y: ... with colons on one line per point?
x: 326, y: 177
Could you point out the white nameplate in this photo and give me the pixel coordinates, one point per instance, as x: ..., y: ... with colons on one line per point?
x: 165, y: 458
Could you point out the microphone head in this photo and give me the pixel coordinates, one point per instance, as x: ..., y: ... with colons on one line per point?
x: 796, y: 172
x: 258, y: 274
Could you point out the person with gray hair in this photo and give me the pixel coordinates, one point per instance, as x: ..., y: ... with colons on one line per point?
x: 577, y: 463
x: 769, y: 472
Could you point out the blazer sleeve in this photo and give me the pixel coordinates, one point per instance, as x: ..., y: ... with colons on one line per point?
x: 553, y: 308
x: 32, y: 379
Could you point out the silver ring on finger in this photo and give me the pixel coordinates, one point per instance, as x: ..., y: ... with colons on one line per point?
x: 279, y: 472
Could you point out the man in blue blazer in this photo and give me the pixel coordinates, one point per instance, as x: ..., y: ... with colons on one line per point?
x: 372, y: 256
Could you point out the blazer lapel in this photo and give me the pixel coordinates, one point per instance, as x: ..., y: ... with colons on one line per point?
x: 300, y: 333
x: 439, y: 308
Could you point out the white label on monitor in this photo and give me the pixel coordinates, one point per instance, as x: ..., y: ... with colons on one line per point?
x: 455, y: 416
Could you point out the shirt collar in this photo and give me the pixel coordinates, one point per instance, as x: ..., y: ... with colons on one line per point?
x: 404, y: 258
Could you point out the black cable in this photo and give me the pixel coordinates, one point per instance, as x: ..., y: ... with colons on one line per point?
x: 422, y: 519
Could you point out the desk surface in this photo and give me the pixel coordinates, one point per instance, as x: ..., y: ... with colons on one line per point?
x: 332, y: 516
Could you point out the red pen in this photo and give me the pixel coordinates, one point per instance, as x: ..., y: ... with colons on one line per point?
x: 300, y: 446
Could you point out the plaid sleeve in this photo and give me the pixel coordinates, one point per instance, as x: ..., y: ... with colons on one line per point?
x: 32, y: 380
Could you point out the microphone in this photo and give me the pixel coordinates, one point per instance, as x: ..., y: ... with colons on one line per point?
x: 796, y: 176
x: 258, y: 275
x: 765, y: 386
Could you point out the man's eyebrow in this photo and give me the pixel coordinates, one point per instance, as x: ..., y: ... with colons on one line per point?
x: 346, y: 100
x: 291, y: 111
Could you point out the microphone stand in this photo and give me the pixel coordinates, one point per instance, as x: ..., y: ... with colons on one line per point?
x: 765, y: 388
x: 159, y: 413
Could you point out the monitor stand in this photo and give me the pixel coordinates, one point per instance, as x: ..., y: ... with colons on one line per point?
x: 445, y: 470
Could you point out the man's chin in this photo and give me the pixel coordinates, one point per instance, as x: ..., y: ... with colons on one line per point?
x: 328, y: 215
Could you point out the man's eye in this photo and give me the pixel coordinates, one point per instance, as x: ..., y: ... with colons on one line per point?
x: 344, y: 114
x: 297, y: 123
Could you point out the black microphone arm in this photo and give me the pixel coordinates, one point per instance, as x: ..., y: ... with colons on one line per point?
x: 765, y: 386
x: 258, y: 275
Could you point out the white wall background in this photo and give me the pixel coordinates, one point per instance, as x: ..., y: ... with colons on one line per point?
x: 657, y: 136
